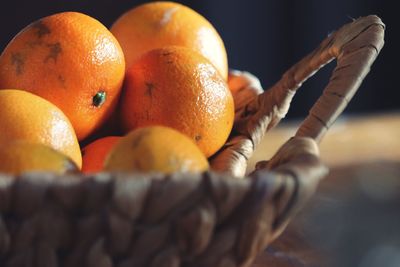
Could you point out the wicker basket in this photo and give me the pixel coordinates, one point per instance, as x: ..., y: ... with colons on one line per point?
x: 211, y: 219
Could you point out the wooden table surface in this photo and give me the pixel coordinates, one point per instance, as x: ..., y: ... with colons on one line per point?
x: 354, y: 217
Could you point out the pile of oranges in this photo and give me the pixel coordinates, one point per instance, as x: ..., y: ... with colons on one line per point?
x: 148, y: 94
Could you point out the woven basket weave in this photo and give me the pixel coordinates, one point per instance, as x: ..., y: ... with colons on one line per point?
x: 214, y: 219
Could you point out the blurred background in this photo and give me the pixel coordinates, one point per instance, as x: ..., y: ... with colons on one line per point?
x: 261, y: 36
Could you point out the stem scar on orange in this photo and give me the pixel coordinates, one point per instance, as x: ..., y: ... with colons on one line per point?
x: 73, y: 61
x: 160, y: 23
x: 179, y: 88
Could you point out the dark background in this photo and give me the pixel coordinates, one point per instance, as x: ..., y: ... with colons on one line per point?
x: 261, y: 36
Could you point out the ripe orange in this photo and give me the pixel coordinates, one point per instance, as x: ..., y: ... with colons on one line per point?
x: 25, y: 116
x: 158, y: 24
x: 94, y: 154
x: 156, y: 149
x: 19, y: 156
x: 73, y: 61
x: 179, y: 88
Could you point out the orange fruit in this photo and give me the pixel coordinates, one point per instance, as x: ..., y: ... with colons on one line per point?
x: 25, y: 116
x: 179, y: 88
x: 156, y: 149
x: 94, y: 154
x: 19, y: 156
x: 73, y: 61
x: 159, y: 24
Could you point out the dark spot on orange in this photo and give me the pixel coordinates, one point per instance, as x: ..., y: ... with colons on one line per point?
x: 18, y: 60
x: 33, y: 44
x: 61, y: 79
x: 242, y: 88
x: 55, y: 50
x: 197, y: 138
x: 150, y: 88
x: 167, y: 53
x: 41, y: 29
x: 143, y: 133
x: 169, y: 62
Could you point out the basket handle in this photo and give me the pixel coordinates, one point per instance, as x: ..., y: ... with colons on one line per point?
x: 355, y: 47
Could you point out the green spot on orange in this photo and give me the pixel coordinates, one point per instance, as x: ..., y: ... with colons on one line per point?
x: 99, y: 98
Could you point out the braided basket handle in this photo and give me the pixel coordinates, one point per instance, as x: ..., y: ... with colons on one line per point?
x: 355, y: 46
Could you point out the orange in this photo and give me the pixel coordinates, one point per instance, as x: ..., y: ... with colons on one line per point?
x: 179, y: 88
x: 94, y: 154
x: 73, y: 61
x: 25, y: 116
x: 156, y: 149
x: 159, y: 24
x: 19, y: 156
